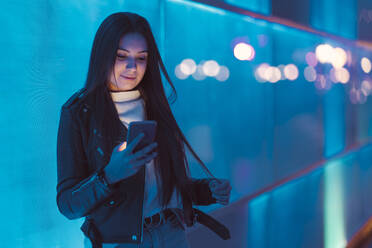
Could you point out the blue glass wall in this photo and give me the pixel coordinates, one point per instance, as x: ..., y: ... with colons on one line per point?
x: 259, y: 6
x: 338, y: 17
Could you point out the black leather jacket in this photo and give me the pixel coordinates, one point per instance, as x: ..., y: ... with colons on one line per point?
x: 113, y: 213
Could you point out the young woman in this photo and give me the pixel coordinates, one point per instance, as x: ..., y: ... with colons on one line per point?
x: 129, y: 199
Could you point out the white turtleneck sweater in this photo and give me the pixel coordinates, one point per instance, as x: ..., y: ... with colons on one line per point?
x: 131, y: 107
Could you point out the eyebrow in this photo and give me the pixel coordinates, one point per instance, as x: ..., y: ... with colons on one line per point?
x: 144, y: 51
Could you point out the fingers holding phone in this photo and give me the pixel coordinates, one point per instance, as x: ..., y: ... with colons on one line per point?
x: 128, y: 157
x: 148, y: 148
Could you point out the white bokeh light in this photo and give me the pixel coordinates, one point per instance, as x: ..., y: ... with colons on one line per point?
x: 244, y: 51
x: 342, y: 75
x: 324, y: 53
x: 291, y: 72
x: 272, y: 74
x: 211, y: 68
x: 223, y: 74
x: 179, y: 74
x: 188, y: 66
x: 366, y: 65
x: 260, y: 72
x: 338, y: 58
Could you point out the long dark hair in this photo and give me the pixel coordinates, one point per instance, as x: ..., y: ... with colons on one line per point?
x: 171, y: 164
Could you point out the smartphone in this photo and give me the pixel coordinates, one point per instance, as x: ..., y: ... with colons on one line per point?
x: 148, y: 128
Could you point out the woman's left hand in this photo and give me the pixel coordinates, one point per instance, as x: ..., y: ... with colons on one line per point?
x: 220, y: 190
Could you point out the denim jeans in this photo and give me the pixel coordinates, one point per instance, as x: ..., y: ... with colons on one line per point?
x: 168, y: 233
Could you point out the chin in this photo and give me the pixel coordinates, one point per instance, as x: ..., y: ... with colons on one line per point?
x: 127, y: 87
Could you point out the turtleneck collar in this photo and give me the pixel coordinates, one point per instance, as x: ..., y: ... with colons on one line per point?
x: 123, y: 96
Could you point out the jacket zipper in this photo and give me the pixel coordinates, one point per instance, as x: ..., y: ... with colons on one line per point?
x: 143, y: 199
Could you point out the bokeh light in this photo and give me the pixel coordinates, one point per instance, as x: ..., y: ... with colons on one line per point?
x: 188, y: 66
x: 357, y: 96
x: 223, y: 74
x: 361, y: 98
x: 291, y: 72
x: 179, y: 74
x: 338, y: 58
x: 324, y: 53
x: 199, y: 74
x: 260, y: 72
x: 366, y: 64
x: 310, y: 74
x: 272, y: 74
x: 322, y: 83
x: 332, y: 75
x: 211, y: 68
x: 311, y: 59
x: 342, y: 75
x: 244, y: 51
x: 366, y: 87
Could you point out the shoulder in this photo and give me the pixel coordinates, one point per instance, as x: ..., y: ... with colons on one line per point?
x: 70, y: 110
x: 75, y: 99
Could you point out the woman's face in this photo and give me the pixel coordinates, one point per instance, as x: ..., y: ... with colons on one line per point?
x: 130, y: 63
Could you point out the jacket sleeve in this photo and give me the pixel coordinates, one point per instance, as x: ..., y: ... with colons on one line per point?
x: 77, y: 192
x: 202, y: 195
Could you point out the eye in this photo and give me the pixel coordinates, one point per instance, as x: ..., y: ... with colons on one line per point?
x: 124, y: 56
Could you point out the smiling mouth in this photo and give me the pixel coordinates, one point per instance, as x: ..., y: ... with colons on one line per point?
x: 129, y: 77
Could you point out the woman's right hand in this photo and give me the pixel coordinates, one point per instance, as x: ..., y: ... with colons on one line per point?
x: 124, y: 163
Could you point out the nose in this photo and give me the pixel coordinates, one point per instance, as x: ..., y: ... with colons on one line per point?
x: 131, y: 64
